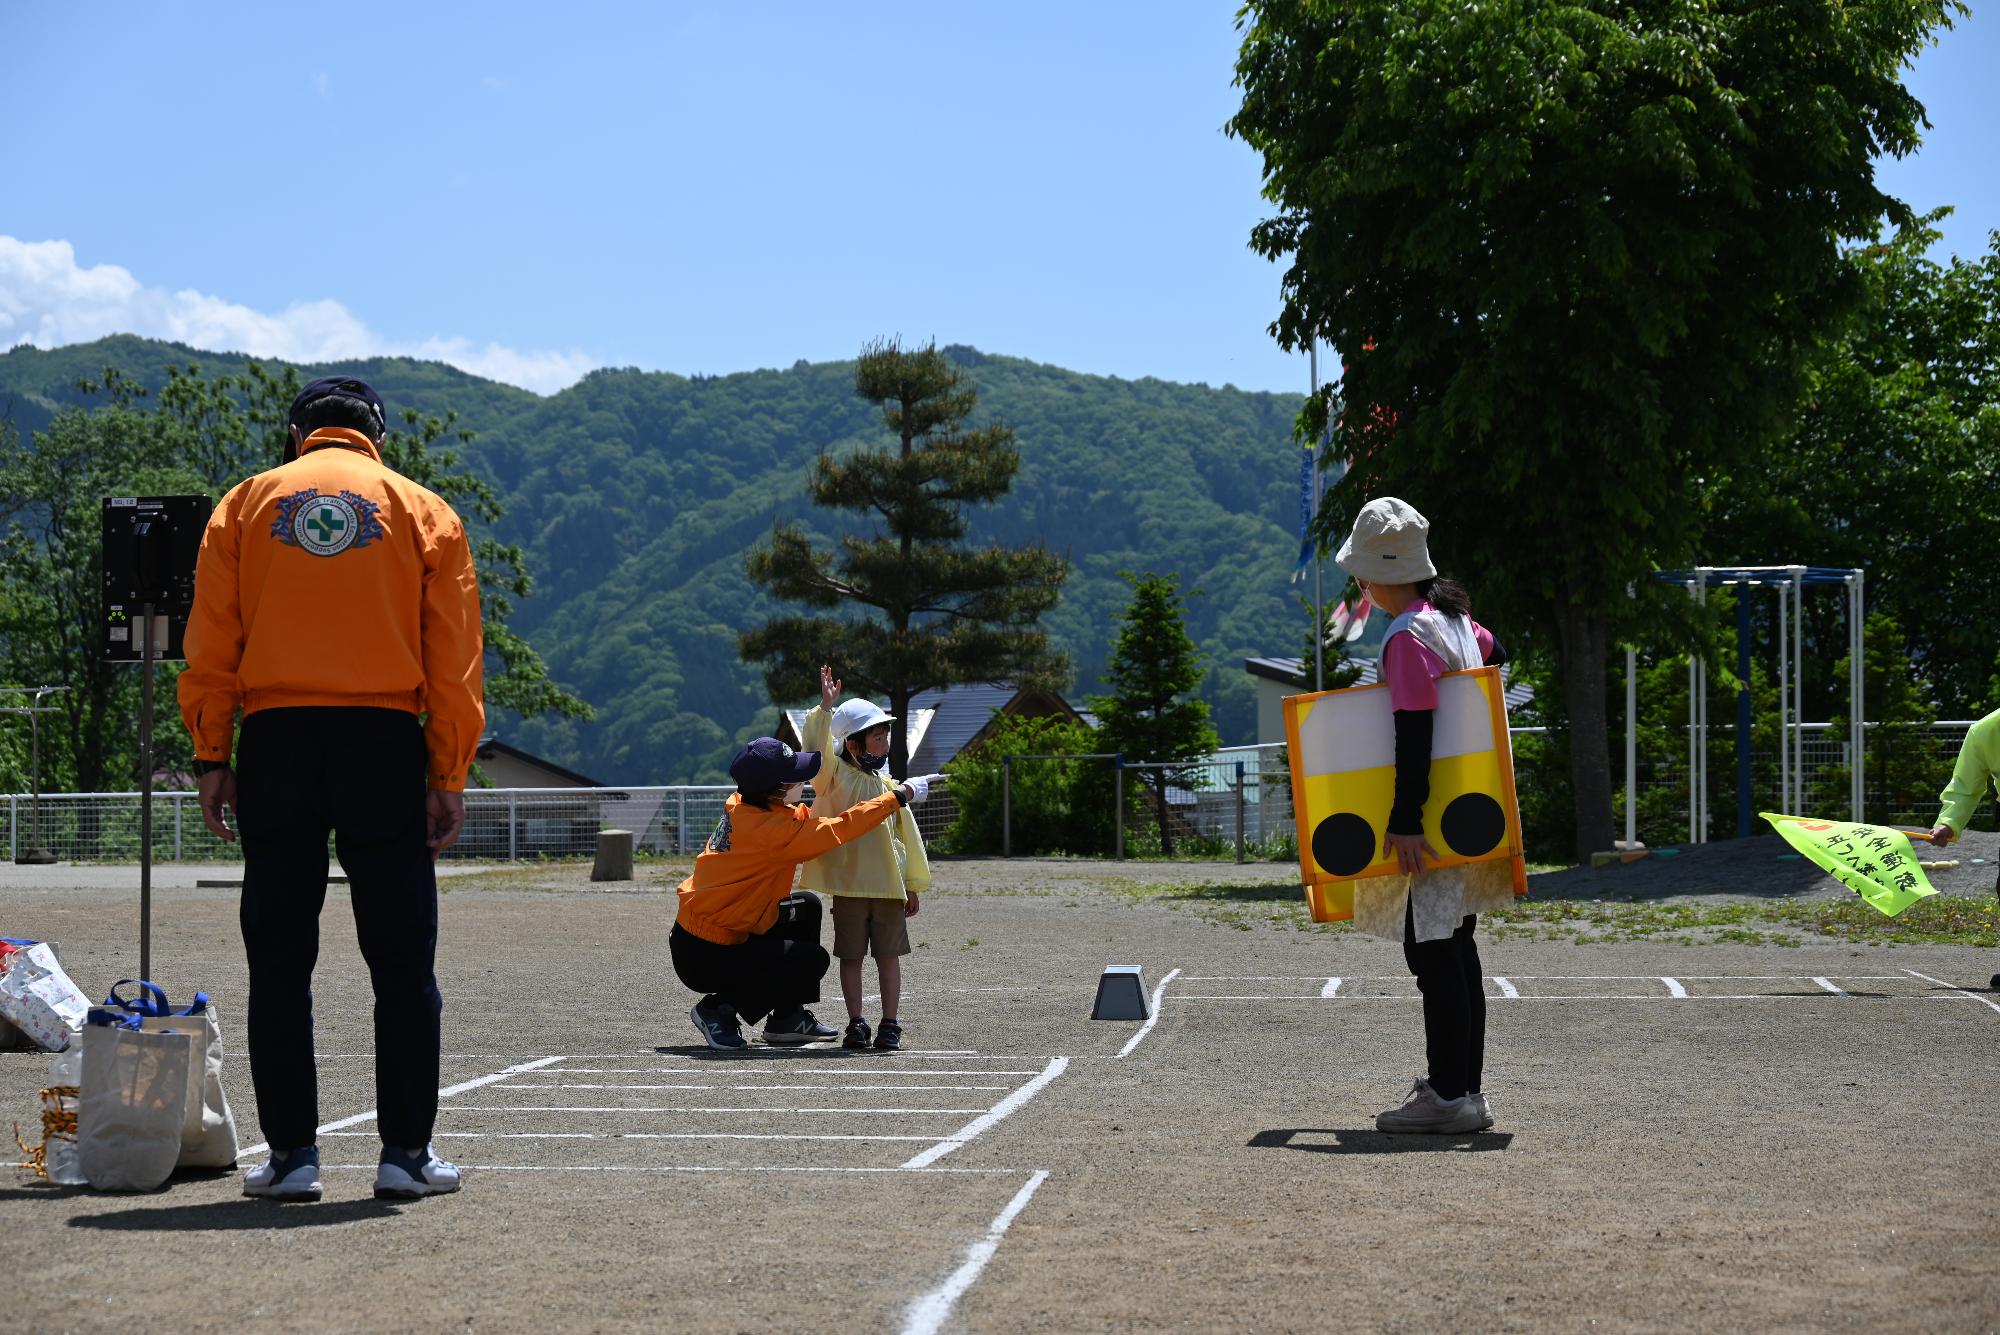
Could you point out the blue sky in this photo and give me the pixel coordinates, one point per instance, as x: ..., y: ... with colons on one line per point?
x: 530, y: 191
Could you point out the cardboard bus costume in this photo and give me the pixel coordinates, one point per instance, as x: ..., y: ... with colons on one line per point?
x: 1343, y: 758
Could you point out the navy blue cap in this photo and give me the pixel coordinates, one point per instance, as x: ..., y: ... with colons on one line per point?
x: 340, y: 386
x: 768, y: 763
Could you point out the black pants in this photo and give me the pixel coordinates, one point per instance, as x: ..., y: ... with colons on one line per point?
x: 359, y: 773
x: 1454, y: 991
x: 766, y: 975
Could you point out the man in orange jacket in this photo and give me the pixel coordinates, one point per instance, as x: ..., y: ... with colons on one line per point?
x: 336, y: 607
x: 723, y: 942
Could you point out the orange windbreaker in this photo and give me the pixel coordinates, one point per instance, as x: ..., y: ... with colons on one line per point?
x: 334, y: 580
x: 749, y: 862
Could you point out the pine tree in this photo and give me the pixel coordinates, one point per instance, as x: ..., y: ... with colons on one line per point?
x: 934, y: 611
x: 1150, y: 714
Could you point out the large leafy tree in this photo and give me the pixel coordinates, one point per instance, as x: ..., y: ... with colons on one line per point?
x: 1892, y: 464
x: 933, y: 611
x: 1576, y: 257
x: 1152, y: 713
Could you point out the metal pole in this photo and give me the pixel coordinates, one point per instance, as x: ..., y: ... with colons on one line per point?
x: 1858, y: 637
x: 1694, y: 731
x: 1319, y: 595
x: 1784, y: 699
x: 1701, y: 601
x: 1118, y: 805
x: 1743, y: 717
x: 680, y: 824
x: 13, y: 827
x: 177, y: 827
x: 514, y: 823
x: 1239, y: 810
x: 146, y: 792
x: 1631, y: 746
x: 1799, y: 686
x: 1006, y: 806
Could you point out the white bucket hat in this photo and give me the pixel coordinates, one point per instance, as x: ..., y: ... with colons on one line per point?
x: 854, y: 716
x: 1388, y: 544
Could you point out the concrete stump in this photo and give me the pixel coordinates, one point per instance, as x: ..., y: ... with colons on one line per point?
x: 614, y: 856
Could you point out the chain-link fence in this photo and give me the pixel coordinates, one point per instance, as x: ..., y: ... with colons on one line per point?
x: 1236, y: 802
x: 501, y: 824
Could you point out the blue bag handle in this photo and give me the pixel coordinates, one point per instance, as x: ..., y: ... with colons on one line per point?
x: 112, y: 1019
x: 155, y: 1007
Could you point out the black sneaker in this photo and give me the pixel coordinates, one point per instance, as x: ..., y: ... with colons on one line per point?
x: 716, y: 1021
x: 799, y: 1027
x: 857, y: 1033
x: 889, y: 1037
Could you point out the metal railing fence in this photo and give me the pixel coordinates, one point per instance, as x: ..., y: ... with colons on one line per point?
x: 501, y: 824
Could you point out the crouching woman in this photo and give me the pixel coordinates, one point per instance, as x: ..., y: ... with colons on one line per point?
x: 723, y: 943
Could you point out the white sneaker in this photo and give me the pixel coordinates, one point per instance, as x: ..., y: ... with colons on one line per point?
x: 1424, y: 1113
x: 404, y: 1175
x: 1478, y: 1098
x: 286, y: 1177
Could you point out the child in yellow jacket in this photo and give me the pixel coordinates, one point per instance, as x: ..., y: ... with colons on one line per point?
x: 874, y: 880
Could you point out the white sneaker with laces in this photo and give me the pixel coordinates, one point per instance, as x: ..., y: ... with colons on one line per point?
x: 404, y: 1175
x: 1485, y: 1110
x: 1424, y: 1113
x: 292, y: 1176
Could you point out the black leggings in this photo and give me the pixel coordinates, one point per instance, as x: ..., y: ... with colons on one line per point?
x: 766, y: 975
x: 1454, y: 991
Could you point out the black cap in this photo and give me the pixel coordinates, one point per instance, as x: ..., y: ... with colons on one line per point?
x: 340, y: 386
x: 768, y: 763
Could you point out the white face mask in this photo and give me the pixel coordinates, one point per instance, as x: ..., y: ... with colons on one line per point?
x: 793, y: 792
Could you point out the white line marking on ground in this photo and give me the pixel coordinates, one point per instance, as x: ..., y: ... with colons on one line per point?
x: 1151, y: 1019
x: 682, y: 1168
x: 1000, y: 1111
x: 1827, y: 983
x: 1507, y: 988
x: 469, y: 1107
x: 828, y: 1089
x: 1355, y: 998
x: 1674, y: 988
x: 928, y: 1314
x: 633, y: 1135
x: 445, y: 1093
x: 1331, y: 990
x: 1956, y: 991
x: 805, y: 1068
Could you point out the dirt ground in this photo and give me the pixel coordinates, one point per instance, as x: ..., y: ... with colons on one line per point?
x: 1711, y: 1136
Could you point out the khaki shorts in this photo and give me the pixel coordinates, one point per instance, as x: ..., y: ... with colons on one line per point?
x: 864, y: 926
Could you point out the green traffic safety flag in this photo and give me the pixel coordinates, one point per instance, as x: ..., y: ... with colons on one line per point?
x: 1876, y: 863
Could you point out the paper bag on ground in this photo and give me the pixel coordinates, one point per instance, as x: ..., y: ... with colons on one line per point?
x: 132, y: 1103
x: 37, y: 996
x: 208, y: 1140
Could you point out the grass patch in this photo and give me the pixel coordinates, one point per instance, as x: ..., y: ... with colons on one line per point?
x: 1941, y: 920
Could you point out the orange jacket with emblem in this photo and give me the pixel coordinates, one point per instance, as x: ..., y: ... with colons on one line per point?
x: 751, y: 858
x: 334, y: 580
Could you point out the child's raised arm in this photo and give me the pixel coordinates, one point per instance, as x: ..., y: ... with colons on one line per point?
x: 829, y: 688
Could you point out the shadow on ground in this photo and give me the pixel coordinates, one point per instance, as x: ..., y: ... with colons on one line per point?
x: 1377, y: 1142
x: 231, y: 1216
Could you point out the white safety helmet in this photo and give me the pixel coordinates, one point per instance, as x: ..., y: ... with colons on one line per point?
x: 853, y: 716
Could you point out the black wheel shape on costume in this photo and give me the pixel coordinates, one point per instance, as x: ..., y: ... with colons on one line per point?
x: 1343, y: 844
x: 1473, y: 823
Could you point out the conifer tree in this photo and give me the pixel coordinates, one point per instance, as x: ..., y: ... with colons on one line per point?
x: 907, y: 605
x: 1151, y: 714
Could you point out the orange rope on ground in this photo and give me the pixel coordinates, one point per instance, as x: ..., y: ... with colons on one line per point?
x: 58, y: 1119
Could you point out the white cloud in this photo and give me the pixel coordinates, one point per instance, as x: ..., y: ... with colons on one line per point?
x: 48, y: 299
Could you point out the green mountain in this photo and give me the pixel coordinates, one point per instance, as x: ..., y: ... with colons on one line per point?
x: 636, y: 495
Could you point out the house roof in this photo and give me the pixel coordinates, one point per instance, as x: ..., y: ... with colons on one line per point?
x: 492, y: 746
x: 944, y: 720
x: 1297, y: 672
